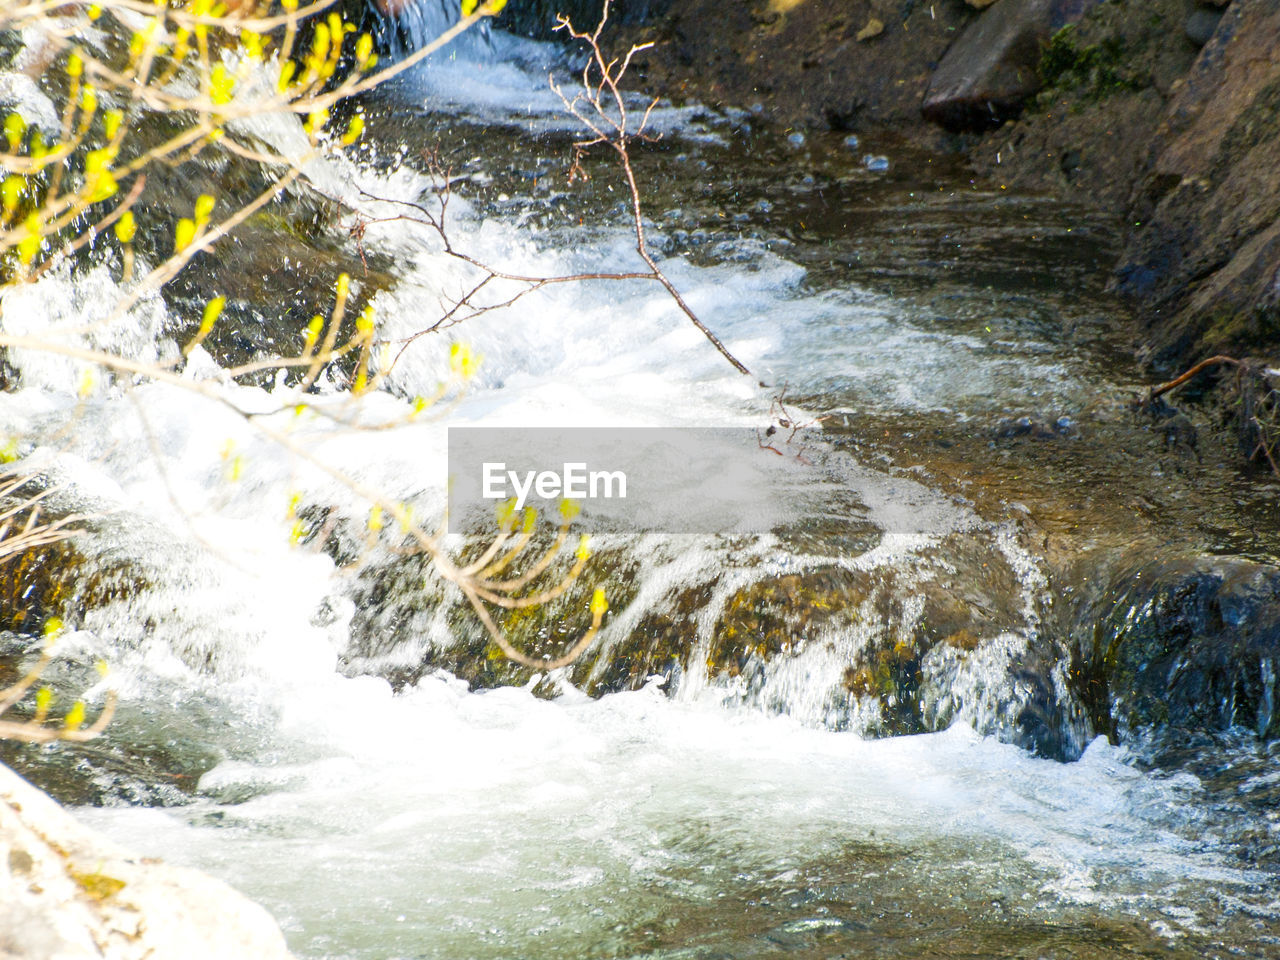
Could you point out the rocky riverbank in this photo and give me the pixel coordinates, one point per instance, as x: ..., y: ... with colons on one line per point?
x: 1165, y: 111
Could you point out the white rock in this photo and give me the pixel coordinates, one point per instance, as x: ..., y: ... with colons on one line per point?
x: 67, y: 893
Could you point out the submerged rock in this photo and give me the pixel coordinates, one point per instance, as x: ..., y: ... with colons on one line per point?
x: 989, y: 73
x: 66, y: 892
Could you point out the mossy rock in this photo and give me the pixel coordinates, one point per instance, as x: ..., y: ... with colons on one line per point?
x: 780, y: 616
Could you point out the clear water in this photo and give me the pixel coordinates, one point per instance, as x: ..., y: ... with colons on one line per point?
x: 718, y: 821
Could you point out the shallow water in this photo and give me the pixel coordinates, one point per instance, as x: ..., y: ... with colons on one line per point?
x: 736, y: 813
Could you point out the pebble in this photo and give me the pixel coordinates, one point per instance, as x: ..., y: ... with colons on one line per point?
x: 851, y: 141
x: 875, y: 163
x: 796, y: 139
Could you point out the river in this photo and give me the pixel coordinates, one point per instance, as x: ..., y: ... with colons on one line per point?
x: 717, y: 778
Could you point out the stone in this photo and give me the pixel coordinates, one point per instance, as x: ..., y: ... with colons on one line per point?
x: 1201, y: 25
x: 1205, y: 281
x: 873, y: 28
x: 67, y: 893
x: 988, y: 74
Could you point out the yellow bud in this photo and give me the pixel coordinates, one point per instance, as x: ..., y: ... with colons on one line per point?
x: 344, y: 286
x: 505, y: 511
x: 599, y: 604
x: 287, y: 70
x: 469, y: 7
x: 74, y: 719
x: 52, y: 628
x: 406, y: 517
x: 183, y: 234
x: 569, y: 508
x: 582, y: 552
x: 101, y: 667
x: 96, y: 161
x: 14, y: 129
x: 297, y: 532
x: 44, y: 700
x: 371, y: 62
x: 419, y: 404
x: 354, y: 129
x: 94, y: 11
x: 88, y: 380
x: 462, y: 361
x: 334, y: 23
x: 75, y: 65
x: 221, y: 83
x: 315, y: 120
x: 290, y: 5
x: 212, y: 310
x: 11, y: 192
x: 104, y: 186
x: 30, y: 244
x: 364, y: 323
x: 313, y: 330
x: 253, y: 44
x: 204, y: 208
x: 530, y: 520
x: 111, y: 121
x: 320, y: 42
x: 89, y: 99
x: 375, y: 518
x: 364, y: 47
x: 126, y: 227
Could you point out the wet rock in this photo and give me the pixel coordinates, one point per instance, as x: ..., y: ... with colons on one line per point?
x: 1034, y: 428
x: 1107, y: 80
x: 1201, y: 25
x: 1182, y: 643
x: 804, y: 64
x: 1203, y: 260
x: 989, y: 73
x: 537, y: 18
x: 67, y: 892
x: 873, y: 28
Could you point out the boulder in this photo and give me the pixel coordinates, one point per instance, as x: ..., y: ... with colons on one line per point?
x: 67, y: 893
x: 1202, y: 24
x: 988, y: 74
x: 1179, y: 644
x: 1203, y: 257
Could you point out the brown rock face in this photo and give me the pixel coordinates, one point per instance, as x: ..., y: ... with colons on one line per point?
x: 988, y: 74
x: 1205, y: 262
x: 803, y: 62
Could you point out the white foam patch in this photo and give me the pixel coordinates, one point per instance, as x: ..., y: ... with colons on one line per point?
x: 541, y: 825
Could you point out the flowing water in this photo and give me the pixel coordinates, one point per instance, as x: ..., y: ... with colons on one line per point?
x: 285, y: 722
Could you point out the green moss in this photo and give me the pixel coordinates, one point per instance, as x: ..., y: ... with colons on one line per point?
x: 1092, y: 72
